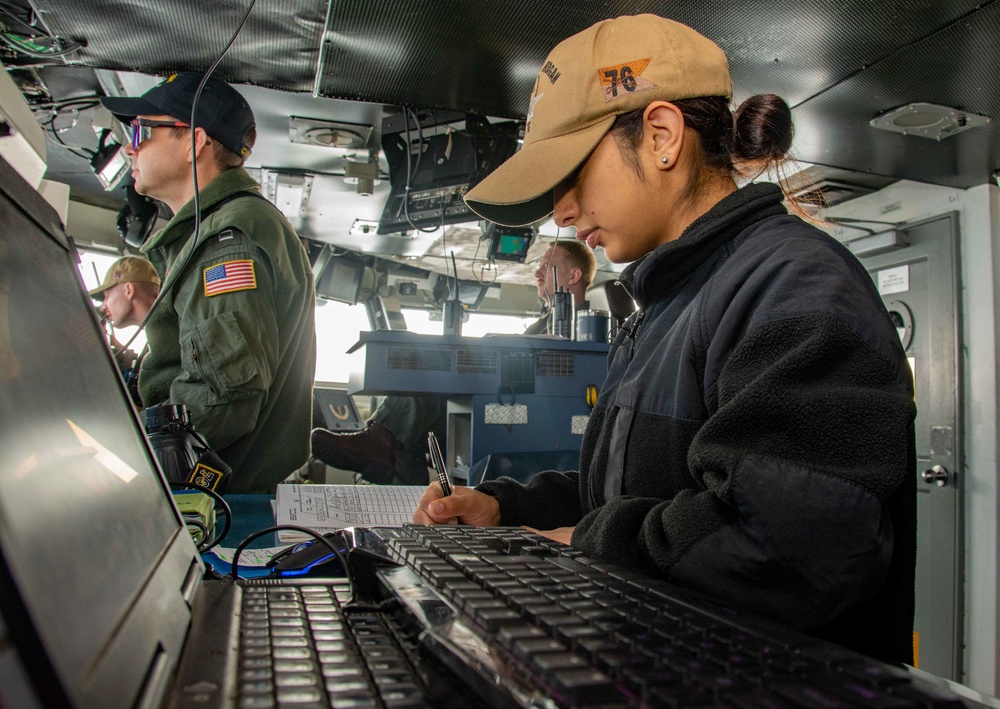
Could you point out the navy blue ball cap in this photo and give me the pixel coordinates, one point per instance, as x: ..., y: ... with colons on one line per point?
x: 222, y: 111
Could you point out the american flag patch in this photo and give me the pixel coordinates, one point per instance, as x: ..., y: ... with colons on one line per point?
x: 230, y: 276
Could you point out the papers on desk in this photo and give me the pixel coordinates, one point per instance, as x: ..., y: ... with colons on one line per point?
x: 326, y: 508
x: 249, y: 558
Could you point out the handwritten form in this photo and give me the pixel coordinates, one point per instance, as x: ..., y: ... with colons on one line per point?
x: 325, y: 508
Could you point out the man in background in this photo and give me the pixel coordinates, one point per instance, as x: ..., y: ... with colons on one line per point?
x: 128, y: 291
x: 391, y: 448
x: 233, y: 338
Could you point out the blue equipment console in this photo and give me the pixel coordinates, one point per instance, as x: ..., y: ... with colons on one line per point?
x: 506, y: 394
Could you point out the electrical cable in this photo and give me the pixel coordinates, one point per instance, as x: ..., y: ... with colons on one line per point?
x: 234, y: 574
x: 178, y: 272
x: 190, y: 522
x: 58, y: 110
x: 225, y: 508
x: 29, y: 23
x: 20, y: 46
x: 411, y: 174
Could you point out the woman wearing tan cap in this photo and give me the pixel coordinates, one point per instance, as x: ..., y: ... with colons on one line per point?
x: 754, y: 437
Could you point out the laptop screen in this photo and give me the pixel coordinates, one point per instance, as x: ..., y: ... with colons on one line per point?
x: 83, y: 515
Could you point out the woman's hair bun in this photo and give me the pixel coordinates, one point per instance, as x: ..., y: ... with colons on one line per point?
x: 762, y: 129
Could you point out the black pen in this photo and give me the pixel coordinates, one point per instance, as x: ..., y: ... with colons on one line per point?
x: 438, y: 461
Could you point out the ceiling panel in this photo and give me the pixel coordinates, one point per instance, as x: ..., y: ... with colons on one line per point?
x: 837, y: 63
x: 957, y: 67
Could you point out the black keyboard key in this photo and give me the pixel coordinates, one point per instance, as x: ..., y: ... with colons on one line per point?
x: 862, y: 695
x: 756, y: 699
x: 526, y: 648
x: 549, y: 662
x: 876, y: 675
x: 643, y: 679
x: 594, y: 645
x: 688, y: 696
x: 809, y: 697
x: 585, y: 687
x: 928, y: 697
x: 494, y: 618
x: 509, y: 634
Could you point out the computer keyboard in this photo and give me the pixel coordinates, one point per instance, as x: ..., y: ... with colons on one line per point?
x: 299, y: 648
x: 524, y: 621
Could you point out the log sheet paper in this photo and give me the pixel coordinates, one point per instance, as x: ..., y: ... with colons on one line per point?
x: 325, y: 508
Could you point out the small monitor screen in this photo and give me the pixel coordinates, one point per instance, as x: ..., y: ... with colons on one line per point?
x: 335, y: 410
x: 340, y: 280
x: 471, y: 293
x: 510, y: 244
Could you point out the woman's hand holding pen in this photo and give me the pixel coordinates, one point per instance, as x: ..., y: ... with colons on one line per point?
x: 464, y: 505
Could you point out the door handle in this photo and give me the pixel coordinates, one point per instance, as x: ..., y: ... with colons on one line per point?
x: 936, y: 475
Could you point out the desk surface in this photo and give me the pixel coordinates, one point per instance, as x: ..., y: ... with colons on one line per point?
x: 250, y: 514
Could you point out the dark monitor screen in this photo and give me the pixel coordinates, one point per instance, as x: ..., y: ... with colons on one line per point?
x: 83, y: 508
x: 340, y: 280
x: 471, y: 293
x: 334, y: 410
x: 439, y: 167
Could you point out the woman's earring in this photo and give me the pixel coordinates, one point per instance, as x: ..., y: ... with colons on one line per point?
x: 664, y: 160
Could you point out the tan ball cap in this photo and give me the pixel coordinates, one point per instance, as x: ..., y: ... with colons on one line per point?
x: 128, y: 269
x: 610, y: 68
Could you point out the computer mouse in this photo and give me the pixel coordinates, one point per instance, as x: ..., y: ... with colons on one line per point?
x: 310, y: 558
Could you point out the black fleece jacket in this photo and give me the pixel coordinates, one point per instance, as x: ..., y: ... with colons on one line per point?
x: 754, y: 437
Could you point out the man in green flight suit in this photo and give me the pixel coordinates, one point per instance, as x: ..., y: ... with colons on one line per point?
x: 234, y: 336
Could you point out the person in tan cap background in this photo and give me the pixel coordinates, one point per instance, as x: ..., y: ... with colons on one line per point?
x: 754, y: 438
x: 128, y: 291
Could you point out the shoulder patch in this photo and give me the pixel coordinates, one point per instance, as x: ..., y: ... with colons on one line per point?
x: 229, y: 276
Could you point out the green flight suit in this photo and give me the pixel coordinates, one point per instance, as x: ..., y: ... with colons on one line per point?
x: 236, y: 344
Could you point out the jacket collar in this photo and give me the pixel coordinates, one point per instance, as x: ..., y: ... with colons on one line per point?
x: 227, y: 183
x: 667, y: 268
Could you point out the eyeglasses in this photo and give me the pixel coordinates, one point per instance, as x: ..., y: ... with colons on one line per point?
x: 142, y: 129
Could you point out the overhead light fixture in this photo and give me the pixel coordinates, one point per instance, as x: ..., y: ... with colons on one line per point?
x: 328, y: 134
x: 363, y: 174
x: 289, y: 193
x: 928, y: 120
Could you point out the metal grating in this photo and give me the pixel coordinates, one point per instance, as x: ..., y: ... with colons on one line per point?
x: 839, y: 64
x: 482, y: 56
x: 422, y: 360
x: 554, y: 364
x: 952, y: 67
x: 277, y: 47
x: 476, y: 361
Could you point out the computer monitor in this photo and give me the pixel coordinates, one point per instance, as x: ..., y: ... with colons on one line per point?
x: 431, y: 168
x: 340, y: 280
x: 510, y: 243
x: 334, y: 409
x: 84, y: 520
x: 471, y: 293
